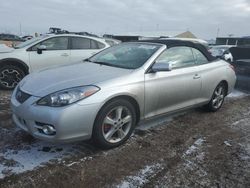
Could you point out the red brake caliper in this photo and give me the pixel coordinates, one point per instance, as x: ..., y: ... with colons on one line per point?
x: 107, y: 127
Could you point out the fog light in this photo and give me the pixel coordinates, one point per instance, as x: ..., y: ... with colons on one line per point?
x: 48, y: 130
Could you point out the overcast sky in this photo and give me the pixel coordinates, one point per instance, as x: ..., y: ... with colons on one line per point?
x: 202, y: 17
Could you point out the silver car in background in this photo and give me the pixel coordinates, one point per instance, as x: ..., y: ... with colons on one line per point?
x: 105, y: 96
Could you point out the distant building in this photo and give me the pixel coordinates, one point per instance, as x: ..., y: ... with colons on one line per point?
x: 186, y: 34
x: 238, y: 41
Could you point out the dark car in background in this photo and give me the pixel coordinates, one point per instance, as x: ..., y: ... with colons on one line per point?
x: 27, y: 37
x: 242, y: 67
x: 10, y: 40
x: 241, y: 64
x: 10, y: 37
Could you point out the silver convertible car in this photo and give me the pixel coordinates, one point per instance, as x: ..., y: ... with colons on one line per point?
x: 105, y: 96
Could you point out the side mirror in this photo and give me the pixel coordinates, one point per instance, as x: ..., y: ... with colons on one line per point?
x: 160, y: 67
x: 41, y: 48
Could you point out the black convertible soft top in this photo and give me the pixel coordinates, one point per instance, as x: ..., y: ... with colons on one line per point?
x: 175, y: 42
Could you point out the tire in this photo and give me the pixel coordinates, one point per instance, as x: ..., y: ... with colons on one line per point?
x: 217, y: 99
x: 114, y: 124
x: 10, y: 76
x: 229, y: 60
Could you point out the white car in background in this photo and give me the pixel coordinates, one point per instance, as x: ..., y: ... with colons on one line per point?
x: 223, y: 52
x: 44, y: 52
x: 4, y: 48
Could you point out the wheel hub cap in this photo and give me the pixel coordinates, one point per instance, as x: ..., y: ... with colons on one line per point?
x: 10, y: 78
x: 218, y: 97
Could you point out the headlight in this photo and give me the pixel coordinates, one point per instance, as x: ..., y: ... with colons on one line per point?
x: 68, y: 96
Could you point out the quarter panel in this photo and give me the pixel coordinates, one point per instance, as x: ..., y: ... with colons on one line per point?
x: 212, y: 74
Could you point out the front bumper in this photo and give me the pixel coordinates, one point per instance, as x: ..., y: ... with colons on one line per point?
x: 73, y: 122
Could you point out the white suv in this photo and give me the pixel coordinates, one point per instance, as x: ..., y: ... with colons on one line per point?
x: 43, y: 52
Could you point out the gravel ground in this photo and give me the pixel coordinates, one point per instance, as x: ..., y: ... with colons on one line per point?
x: 193, y: 149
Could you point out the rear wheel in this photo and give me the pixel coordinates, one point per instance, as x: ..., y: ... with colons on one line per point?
x: 10, y: 76
x: 114, y: 124
x: 217, y: 98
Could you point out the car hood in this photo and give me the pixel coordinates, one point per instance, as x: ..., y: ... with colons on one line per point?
x: 51, y: 80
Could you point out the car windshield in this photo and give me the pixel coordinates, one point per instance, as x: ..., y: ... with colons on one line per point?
x: 126, y: 55
x: 28, y: 42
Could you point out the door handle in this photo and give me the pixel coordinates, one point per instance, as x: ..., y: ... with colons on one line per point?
x: 196, y: 76
x: 65, y: 55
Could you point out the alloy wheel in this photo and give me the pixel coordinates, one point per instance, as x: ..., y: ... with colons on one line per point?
x: 10, y: 78
x: 218, y: 97
x: 117, y: 124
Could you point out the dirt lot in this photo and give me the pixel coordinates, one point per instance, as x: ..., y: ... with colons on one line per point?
x: 194, y: 149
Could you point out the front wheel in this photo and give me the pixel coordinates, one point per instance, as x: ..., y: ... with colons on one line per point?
x: 217, y: 98
x: 114, y: 124
x: 10, y: 76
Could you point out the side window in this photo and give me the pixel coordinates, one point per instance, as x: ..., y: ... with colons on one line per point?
x: 81, y: 43
x: 200, y: 58
x: 96, y: 45
x: 100, y: 45
x: 178, y: 57
x: 56, y: 43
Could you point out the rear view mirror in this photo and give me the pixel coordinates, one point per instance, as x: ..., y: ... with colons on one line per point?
x: 41, y: 48
x: 160, y: 67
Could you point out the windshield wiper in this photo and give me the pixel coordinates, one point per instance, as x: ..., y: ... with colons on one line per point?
x: 88, y: 60
x: 98, y: 62
x: 105, y: 63
x: 102, y: 63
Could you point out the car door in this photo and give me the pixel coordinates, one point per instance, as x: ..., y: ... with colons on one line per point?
x: 210, y: 72
x: 56, y: 53
x: 172, y: 90
x: 83, y: 48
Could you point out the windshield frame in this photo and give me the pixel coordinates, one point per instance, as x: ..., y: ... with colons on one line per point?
x: 156, y: 45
